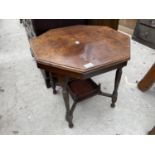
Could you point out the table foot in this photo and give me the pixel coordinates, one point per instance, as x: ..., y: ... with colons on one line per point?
x: 69, y: 119
x: 48, y: 85
x: 112, y: 105
x: 71, y: 125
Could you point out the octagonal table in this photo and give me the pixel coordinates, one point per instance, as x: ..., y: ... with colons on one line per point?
x: 74, y: 54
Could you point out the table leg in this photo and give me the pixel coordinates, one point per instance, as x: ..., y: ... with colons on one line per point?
x: 117, y: 81
x: 69, y: 114
x: 53, y: 83
x: 47, y: 78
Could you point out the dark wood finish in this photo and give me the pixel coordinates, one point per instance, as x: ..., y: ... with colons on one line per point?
x: 36, y: 27
x: 69, y: 113
x: 46, y: 74
x: 117, y: 81
x: 82, y: 89
x: 147, y: 80
x: 43, y: 25
x: 101, y: 46
x: 86, y: 75
x: 114, y: 95
x: 113, y: 23
x: 64, y: 52
x: 53, y: 81
x: 145, y: 32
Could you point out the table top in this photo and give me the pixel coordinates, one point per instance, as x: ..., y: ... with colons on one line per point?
x: 81, y: 48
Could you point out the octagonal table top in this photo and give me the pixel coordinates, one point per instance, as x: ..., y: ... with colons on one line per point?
x: 81, y: 48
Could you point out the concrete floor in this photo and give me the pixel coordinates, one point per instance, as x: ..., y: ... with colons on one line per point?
x: 28, y: 107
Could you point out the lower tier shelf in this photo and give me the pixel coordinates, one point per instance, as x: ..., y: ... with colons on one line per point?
x: 82, y: 89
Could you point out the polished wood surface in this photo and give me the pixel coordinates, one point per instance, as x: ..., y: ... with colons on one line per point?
x: 36, y: 27
x: 81, y: 52
x: 73, y: 47
x: 82, y: 89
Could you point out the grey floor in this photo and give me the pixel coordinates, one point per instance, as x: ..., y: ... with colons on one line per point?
x: 28, y: 107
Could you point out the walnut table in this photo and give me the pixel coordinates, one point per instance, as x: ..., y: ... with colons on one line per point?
x: 74, y: 54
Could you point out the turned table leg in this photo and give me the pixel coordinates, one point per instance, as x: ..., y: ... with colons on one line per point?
x: 148, y: 79
x: 69, y: 114
x: 117, y: 81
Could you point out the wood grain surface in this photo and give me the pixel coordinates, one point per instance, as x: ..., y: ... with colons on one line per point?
x: 81, y: 48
